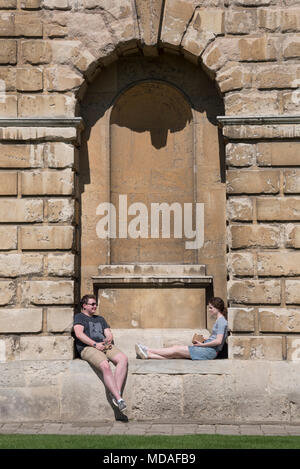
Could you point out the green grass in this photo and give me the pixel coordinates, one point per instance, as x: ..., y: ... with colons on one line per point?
x: 148, y: 442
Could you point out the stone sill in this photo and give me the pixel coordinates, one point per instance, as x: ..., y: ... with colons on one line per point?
x: 181, y: 367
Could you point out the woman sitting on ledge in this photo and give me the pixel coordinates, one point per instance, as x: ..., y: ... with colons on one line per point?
x: 206, y: 350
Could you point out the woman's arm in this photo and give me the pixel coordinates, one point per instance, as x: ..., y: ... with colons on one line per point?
x: 78, y: 329
x: 212, y: 343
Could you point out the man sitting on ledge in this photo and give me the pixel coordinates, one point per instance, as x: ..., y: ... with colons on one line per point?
x: 206, y: 350
x: 94, y: 342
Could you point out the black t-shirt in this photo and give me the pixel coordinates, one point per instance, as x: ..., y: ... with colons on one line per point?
x: 93, y: 327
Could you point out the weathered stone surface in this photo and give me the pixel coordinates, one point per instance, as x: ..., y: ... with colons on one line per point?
x: 240, y: 209
x: 61, y: 78
x: 240, y: 154
x: 8, y: 183
x: 7, y: 292
x: 252, y: 102
x: 278, y: 209
x: 255, y: 348
x: 293, y: 348
x: 279, y: 320
x: 48, y: 182
x: 60, y: 210
x: 29, y: 79
x: 48, y: 292
x: 248, y: 236
x: 242, y: 264
x: 21, y: 156
x: 15, y: 265
x: 252, y: 182
x: 59, y: 319
x: 21, y: 210
x: 46, y: 348
x: 59, y: 155
x: 61, y: 265
x: 292, y: 291
x: 291, y: 184
x: 46, y: 237
x: 15, y: 321
x: 254, y: 291
x: 241, y: 319
x: 292, y: 235
x: 54, y: 105
x: 8, y: 237
x: 278, y: 153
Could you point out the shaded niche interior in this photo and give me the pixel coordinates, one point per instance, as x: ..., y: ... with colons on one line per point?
x: 151, y: 134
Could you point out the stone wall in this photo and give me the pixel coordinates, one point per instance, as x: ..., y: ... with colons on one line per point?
x: 50, y: 50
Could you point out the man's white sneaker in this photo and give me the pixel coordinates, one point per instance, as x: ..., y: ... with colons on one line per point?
x: 141, y: 351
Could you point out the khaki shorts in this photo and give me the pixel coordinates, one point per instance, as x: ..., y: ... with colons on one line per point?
x: 94, y: 356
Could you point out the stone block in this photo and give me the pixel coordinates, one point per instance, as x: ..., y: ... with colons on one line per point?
x: 8, y: 183
x: 7, y: 79
x: 293, y: 348
x: 61, y: 265
x: 279, y: 320
x: 269, y: 19
x: 258, y: 49
x: 48, y: 182
x: 239, y: 21
x: 16, y: 321
x: 28, y: 24
x: 46, y: 237
x: 290, y: 100
x: 234, y: 77
x: 7, y: 27
x: 292, y: 236
x: 60, y: 319
x: 241, y: 319
x: 7, y: 292
x: 290, y: 20
x: 277, y: 76
x: 21, y: 210
x: 240, y: 209
x: 252, y: 102
x: 9, y: 4
x: 240, y: 154
x: 46, y: 348
x: 57, y: 4
x: 8, y: 51
x: 59, y: 155
x: 21, y: 156
x: 29, y: 79
x: 242, y: 264
x: 254, y: 291
x: 61, y: 210
x: 291, y: 47
x: 177, y: 14
x: 62, y: 78
x: 278, y: 153
x: 8, y: 237
x: 292, y: 292
x: 249, y: 236
x: 36, y: 52
x: 15, y: 265
x: 252, y: 181
x: 278, y: 209
x: 291, y: 184
x: 8, y: 106
x: 30, y: 4
x: 255, y: 348
x: 48, y: 292
x: 54, y: 105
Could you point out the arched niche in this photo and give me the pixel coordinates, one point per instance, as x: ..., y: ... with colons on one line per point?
x: 151, y: 135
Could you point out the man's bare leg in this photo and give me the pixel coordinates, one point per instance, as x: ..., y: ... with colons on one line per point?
x: 121, y: 362
x: 109, y: 379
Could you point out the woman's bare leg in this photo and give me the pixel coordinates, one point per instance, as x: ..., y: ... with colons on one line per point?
x: 176, y: 351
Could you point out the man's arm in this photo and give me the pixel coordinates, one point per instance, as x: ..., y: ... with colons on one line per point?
x: 78, y: 329
x: 108, y: 334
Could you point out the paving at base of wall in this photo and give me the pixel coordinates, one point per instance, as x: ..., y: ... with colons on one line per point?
x: 137, y: 428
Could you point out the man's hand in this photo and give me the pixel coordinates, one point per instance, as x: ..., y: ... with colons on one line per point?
x: 100, y: 346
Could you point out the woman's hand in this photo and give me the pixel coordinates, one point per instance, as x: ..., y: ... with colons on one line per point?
x: 197, y: 344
